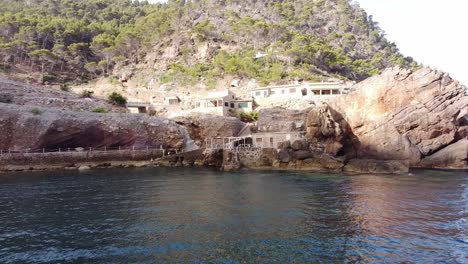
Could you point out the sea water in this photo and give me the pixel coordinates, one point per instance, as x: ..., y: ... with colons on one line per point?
x: 156, y: 215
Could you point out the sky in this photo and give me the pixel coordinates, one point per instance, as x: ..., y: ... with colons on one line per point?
x: 433, y: 32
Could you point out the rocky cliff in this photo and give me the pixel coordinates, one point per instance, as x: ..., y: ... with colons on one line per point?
x: 202, y: 126
x: 387, y: 124
x: 12, y: 92
x: 27, y: 127
x: 421, y: 117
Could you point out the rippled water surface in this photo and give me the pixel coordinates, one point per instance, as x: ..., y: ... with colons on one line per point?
x: 204, y: 216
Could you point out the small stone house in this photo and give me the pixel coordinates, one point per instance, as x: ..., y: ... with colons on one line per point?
x: 223, y: 103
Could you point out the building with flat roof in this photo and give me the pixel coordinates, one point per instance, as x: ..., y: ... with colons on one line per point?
x: 171, y: 100
x: 223, y: 103
x: 138, y: 107
x: 315, y: 90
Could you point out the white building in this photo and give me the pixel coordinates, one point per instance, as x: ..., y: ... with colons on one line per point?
x: 255, y: 140
x: 273, y: 139
x: 138, y: 107
x: 172, y: 100
x: 317, y: 90
x: 223, y: 103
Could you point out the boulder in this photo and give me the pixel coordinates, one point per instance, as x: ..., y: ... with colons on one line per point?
x: 284, y: 145
x: 453, y: 156
x: 302, y: 155
x: 284, y: 156
x: 212, y: 157
x: 322, y: 162
x: 300, y: 144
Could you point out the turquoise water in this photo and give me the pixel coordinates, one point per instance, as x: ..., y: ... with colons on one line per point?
x: 205, y: 216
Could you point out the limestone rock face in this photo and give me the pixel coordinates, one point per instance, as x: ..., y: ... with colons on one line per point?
x: 300, y: 144
x: 318, y: 162
x: 402, y: 115
x: 26, y: 127
x: 451, y: 157
x: 328, y: 131
x: 284, y: 156
x: 213, y: 157
x: 359, y: 166
x: 12, y: 92
x: 281, y: 119
x: 202, y: 126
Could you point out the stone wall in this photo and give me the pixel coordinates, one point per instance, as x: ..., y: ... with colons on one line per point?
x: 254, y: 158
x: 50, y: 161
x: 251, y: 158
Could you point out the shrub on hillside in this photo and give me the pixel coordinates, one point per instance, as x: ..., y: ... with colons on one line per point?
x: 36, y: 111
x: 99, y: 110
x: 87, y: 94
x: 117, y: 99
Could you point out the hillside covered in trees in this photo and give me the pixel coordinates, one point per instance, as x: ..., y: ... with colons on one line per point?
x: 185, y: 42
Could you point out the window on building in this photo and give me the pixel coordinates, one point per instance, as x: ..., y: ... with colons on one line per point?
x: 335, y: 91
x: 232, y: 105
x: 226, y: 104
x: 243, y: 105
x: 316, y: 92
x: 259, y: 140
x: 304, y: 92
x: 272, y: 93
x: 326, y: 92
x: 292, y: 90
x: 265, y: 93
x: 283, y: 91
x: 258, y: 93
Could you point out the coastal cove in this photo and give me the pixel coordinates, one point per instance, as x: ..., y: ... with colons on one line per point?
x: 228, y: 132
x: 183, y: 215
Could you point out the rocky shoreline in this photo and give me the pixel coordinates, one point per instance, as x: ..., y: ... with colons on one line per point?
x: 388, y: 124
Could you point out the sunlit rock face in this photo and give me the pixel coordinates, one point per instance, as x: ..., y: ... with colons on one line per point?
x: 202, y: 126
x: 25, y: 127
x: 404, y: 115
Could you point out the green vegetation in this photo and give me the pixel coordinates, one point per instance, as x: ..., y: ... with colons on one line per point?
x: 36, y: 111
x: 99, y: 110
x: 117, y: 99
x: 78, y: 40
x: 249, y: 117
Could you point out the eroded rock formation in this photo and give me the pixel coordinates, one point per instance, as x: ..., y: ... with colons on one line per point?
x: 202, y: 126
x: 12, y: 92
x: 25, y: 127
x: 417, y: 116
x: 281, y: 119
x: 328, y: 132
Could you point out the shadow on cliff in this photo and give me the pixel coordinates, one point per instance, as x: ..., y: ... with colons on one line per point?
x: 350, y: 141
x: 328, y: 131
x: 85, y: 136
